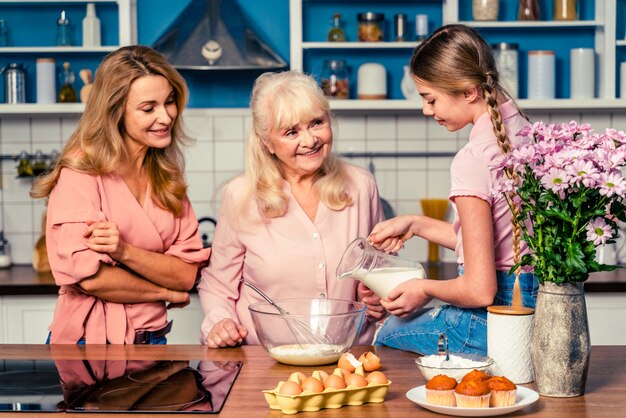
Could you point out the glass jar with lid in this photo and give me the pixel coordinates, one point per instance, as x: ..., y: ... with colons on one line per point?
x: 335, y: 80
x: 507, y: 62
x: 371, y: 26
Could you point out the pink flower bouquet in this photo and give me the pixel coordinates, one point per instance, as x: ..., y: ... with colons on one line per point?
x: 567, y: 183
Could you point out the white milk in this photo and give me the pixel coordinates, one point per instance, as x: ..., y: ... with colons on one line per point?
x: 382, y: 280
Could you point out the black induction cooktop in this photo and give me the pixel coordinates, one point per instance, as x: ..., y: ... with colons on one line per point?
x: 116, y: 385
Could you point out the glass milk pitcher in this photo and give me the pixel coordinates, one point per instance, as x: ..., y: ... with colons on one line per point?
x: 378, y: 270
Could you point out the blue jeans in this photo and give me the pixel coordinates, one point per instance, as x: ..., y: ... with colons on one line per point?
x: 153, y: 340
x: 465, y: 328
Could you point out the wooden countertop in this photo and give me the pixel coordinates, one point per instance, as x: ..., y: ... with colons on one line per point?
x: 604, y: 397
x: 24, y: 280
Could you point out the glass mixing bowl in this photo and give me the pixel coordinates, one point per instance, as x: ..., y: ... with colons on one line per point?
x: 311, y: 332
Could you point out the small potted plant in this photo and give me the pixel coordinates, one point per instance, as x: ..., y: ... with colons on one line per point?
x: 565, y: 184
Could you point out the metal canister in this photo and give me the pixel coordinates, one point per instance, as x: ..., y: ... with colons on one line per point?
x: 14, y: 83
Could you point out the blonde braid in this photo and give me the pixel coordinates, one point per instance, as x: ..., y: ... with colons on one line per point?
x: 490, y: 94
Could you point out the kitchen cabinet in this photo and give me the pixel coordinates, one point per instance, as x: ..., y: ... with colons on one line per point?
x: 25, y: 45
x: 596, y: 28
x: 25, y: 320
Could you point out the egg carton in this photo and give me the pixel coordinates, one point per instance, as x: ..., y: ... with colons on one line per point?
x: 330, y: 398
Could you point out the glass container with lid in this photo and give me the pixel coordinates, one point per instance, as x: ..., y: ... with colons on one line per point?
x: 335, y: 81
x: 506, y: 56
x: 371, y: 27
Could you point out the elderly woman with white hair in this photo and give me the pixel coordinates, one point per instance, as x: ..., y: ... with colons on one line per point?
x: 285, y: 222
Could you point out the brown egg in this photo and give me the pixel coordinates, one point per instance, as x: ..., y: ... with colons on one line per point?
x: 370, y: 361
x: 320, y: 375
x: 297, y: 377
x: 290, y: 388
x: 312, y: 384
x: 377, y: 378
x: 349, y: 362
x: 356, y: 380
x: 342, y: 372
x: 335, y: 382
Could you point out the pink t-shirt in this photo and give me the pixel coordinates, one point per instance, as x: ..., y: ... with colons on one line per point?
x: 471, y: 176
x: 78, y: 198
x: 286, y: 257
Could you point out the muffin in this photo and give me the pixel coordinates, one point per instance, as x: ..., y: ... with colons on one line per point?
x: 478, y: 375
x: 503, y: 391
x: 440, y: 390
x: 472, y: 394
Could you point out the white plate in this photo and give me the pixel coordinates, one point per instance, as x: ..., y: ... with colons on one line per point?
x: 524, y: 398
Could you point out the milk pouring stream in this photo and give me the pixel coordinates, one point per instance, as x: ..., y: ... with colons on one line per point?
x: 378, y: 270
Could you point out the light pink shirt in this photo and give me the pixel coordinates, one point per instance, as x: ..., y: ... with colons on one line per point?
x: 471, y: 176
x: 78, y: 198
x: 287, y: 257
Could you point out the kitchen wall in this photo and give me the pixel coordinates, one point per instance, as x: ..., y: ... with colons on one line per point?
x: 218, y: 155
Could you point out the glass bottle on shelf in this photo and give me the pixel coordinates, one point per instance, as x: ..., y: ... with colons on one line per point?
x: 335, y: 82
x: 528, y: 10
x: 67, y: 93
x: 4, y: 33
x: 63, y: 31
x: 336, y: 33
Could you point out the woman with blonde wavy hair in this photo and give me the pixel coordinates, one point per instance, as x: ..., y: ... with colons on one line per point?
x: 121, y: 236
x: 456, y: 75
x: 284, y: 222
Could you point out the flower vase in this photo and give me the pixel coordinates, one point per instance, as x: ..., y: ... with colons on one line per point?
x: 560, y: 345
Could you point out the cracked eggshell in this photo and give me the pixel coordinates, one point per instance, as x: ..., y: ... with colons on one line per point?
x: 349, y: 362
x: 371, y: 361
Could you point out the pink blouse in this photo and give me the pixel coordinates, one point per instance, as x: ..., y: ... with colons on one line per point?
x: 287, y: 257
x: 78, y: 198
x: 471, y: 176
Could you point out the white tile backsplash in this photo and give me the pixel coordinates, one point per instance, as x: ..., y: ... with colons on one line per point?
x: 350, y: 127
x: 229, y: 128
x: 199, y: 127
x: 230, y: 155
x: 380, y: 127
x: 411, y: 127
x: 218, y: 155
x: 15, y: 129
x: 68, y: 126
x: 18, y: 218
x: 199, y: 156
x: 46, y: 129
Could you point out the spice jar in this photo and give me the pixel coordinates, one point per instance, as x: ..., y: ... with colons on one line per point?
x: 371, y: 26
x: 565, y: 10
x: 335, y: 82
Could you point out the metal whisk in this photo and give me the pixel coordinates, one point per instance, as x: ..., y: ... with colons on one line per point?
x: 300, y: 329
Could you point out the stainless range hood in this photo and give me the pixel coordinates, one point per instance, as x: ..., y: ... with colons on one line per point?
x: 211, y: 35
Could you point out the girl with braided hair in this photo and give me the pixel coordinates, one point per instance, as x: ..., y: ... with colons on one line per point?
x: 456, y: 75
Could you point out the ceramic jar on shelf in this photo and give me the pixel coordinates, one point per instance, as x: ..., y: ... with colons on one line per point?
x: 485, y: 9
x: 565, y: 9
